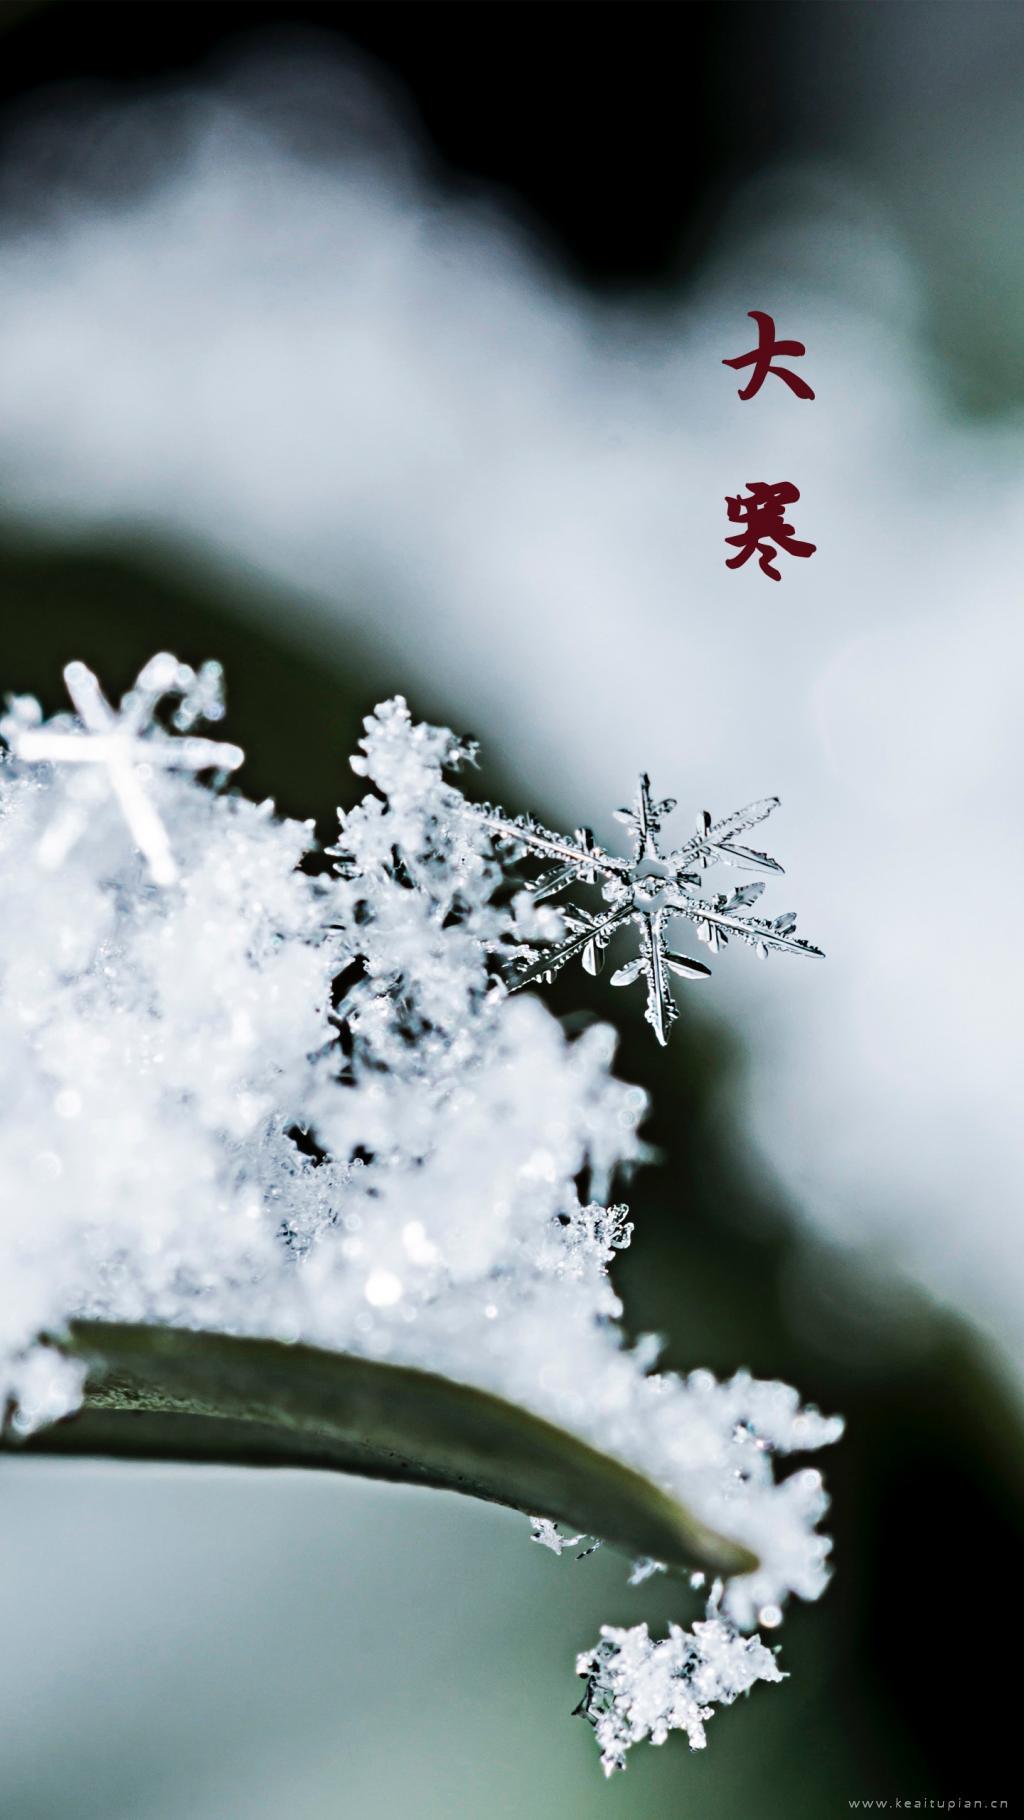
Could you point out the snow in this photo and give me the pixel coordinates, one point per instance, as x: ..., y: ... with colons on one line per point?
x: 165, y: 1038
x: 638, y: 1687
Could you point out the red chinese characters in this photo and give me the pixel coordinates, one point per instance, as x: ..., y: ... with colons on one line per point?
x: 762, y: 511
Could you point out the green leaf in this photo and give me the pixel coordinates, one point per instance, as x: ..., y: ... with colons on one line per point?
x: 164, y: 1393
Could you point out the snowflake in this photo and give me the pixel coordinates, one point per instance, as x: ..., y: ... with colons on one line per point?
x: 640, y: 1687
x: 648, y: 890
x: 124, y: 746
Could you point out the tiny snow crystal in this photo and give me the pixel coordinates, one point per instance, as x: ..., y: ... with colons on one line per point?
x: 162, y: 1051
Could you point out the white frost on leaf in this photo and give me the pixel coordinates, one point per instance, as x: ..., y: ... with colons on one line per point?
x: 646, y: 891
x: 291, y: 1099
x: 639, y: 1687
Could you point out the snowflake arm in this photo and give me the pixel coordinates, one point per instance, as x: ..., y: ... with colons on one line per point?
x: 644, y: 820
x: 588, y: 936
x: 715, y: 841
x: 578, y: 858
x: 715, y: 925
x: 655, y: 963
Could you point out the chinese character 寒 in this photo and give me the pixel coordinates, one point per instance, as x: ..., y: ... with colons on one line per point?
x: 763, y: 514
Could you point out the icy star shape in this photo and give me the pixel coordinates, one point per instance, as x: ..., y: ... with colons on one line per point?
x: 119, y: 750
x: 648, y: 890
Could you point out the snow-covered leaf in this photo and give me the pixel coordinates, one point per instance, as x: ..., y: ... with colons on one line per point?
x: 292, y: 1178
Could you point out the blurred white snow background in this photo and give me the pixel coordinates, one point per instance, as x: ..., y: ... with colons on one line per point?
x: 248, y: 315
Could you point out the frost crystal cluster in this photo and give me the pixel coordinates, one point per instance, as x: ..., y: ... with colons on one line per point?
x: 639, y: 1688
x: 250, y: 1087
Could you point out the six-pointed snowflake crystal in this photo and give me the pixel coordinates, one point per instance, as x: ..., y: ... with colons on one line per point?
x: 648, y: 890
x: 118, y: 751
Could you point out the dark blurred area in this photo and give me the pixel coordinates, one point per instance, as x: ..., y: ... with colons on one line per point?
x: 615, y: 125
x: 621, y: 127
x: 615, y: 129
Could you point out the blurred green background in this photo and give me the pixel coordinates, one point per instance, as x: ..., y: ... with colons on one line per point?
x: 220, y: 1645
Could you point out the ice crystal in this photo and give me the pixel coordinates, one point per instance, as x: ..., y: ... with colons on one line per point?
x: 645, y: 1569
x: 119, y: 752
x: 550, y: 1536
x: 638, y: 1687
x: 280, y: 1100
x: 648, y: 890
